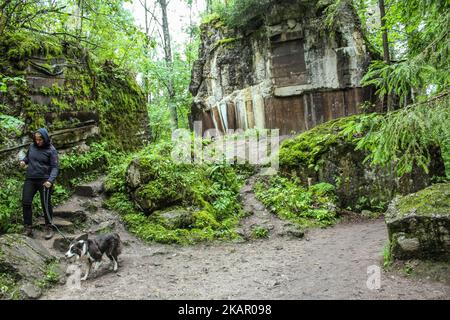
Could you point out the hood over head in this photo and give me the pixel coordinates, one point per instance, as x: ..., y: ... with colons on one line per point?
x: 45, y: 136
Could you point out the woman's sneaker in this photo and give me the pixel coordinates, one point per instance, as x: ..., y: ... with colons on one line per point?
x: 48, y: 232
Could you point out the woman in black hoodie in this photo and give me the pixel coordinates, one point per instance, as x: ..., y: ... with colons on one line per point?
x: 42, y: 170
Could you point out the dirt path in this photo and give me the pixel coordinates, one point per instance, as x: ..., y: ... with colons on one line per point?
x: 326, y: 264
x: 331, y: 265
x: 259, y: 216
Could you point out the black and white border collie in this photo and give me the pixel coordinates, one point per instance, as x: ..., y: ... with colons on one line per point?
x: 93, y: 250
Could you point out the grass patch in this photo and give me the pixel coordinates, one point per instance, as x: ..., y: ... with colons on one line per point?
x: 51, y: 276
x: 9, y: 289
x: 387, y: 256
x: 260, y: 233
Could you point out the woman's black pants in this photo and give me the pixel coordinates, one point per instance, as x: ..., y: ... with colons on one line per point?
x: 30, y: 187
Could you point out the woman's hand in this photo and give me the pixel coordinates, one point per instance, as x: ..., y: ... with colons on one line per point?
x: 47, y: 184
x: 22, y: 164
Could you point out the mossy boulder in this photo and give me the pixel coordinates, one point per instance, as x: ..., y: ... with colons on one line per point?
x: 156, y: 182
x: 23, y: 256
x: 176, y: 202
x: 329, y: 153
x: 26, y: 263
x: 419, y: 224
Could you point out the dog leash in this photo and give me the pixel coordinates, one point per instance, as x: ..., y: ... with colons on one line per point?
x: 50, y: 219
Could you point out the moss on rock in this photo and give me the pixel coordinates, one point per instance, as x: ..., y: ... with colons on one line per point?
x: 419, y: 224
x: 176, y: 202
x: 434, y: 200
x: 329, y: 153
x: 305, y: 149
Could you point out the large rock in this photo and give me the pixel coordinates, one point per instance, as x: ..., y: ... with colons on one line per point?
x: 419, y: 224
x: 174, y: 219
x: 154, y: 181
x: 362, y: 186
x: 78, y: 102
x: 133, y: 176
x: 90, y: 189
x: 30, y: 291
x: 23, y: 256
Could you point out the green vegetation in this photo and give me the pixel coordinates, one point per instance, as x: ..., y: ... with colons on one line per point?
x: 91, y: 85
x: 402, y: 138
x: 418, y: 31
x: 306, y: 149
x: 204, y: 226
x: 387, y: 256
x: 17, y: 46
x: 408, y: 269
x: 406, y: 137
x: 81, y: 161
x: 374, y: 203
x: 414, y: 80
x: 11, y: 202
x: 9, y: 126
x: 259, y: 233
x: 51, y: 276
x: 207, y: 193
x: 237, y: 14
x: 225, y: 41
x: 303, y: 206
x: 8, y: 287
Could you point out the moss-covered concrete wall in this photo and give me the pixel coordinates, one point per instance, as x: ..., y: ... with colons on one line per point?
x: 58, y: 85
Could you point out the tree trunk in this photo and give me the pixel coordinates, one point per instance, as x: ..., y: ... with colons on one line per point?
x: 209, y: 6
x: 386, y: 56
x: 80, y: 26
x: 168, y: 58
x: 385, y: 33
x: 147, y: 44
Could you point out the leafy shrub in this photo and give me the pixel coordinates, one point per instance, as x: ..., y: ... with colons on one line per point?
x: 9, y: 126
x: 81, y: 161
x: 8, y: 287
x: 406, y: 136
x: 238, y: 13
x: 290, y: 201
x: 51, y: 276
x: 260, y: 232
x: 11, y: 202
x: 210, y: 192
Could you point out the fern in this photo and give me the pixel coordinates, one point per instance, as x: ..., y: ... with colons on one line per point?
x: 405, y: 137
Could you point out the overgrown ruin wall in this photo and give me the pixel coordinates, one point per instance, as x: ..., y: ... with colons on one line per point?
x: 288, y: 73
x: 57, y: 86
